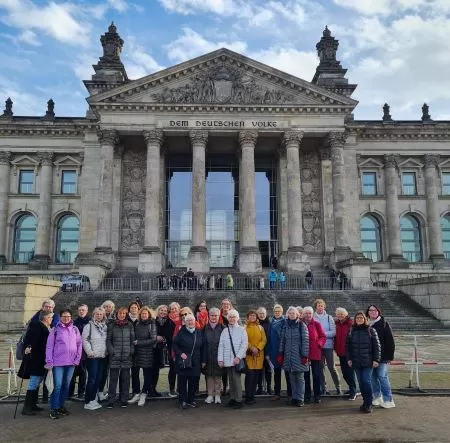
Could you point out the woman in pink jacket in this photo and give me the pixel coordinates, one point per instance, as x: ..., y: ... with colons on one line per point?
x: 63, y: 353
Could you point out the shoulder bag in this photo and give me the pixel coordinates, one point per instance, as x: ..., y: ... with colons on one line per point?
x: 241, y: 367
x: 187, y: 363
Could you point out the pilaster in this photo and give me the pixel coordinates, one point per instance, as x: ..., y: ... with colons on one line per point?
x: 5, y: 157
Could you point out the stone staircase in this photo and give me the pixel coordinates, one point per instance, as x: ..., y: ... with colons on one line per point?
x: 403, y: 313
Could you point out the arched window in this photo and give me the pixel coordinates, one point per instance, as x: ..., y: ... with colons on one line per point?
x: 410, y: 236
x: 24, y: 238
x: 370, y: 238
x: 445, y: 228
x: 67, y: 239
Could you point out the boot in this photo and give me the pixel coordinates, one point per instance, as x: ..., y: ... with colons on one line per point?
x: 28, y: 404
x: 269, y: 389
x: 44, y: 394
x: 34, y: 405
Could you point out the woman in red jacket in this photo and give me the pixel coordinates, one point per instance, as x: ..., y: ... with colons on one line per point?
x: 343, y: 325
x: 317, y: 339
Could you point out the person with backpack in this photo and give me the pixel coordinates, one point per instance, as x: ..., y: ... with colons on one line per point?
x: 363, y: 355
x: 293, y: 354
x: 33, y: 363
x: 94, y: 346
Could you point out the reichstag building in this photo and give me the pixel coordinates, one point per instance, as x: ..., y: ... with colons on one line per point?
x: 222, y: 162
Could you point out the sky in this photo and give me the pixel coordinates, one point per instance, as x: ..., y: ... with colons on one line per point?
x: 397, y: 51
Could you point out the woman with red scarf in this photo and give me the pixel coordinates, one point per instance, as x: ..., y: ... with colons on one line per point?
x: 174, y: 317
x: 201, y: 313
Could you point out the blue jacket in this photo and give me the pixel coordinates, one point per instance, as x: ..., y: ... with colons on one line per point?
x: 282, y: 277
x: 329, y: 326
x: 273, y: 276
x: 55, y: 319
x: 274, y: 339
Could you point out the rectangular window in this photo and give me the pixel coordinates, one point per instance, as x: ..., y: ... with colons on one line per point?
x: 69, y: 182
x: 369, y: 183
x: 26, y: 180
x: 409, y: 186
x: 446, y: 183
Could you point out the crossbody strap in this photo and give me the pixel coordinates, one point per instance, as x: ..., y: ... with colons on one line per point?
x: 231, y: 341
x: 195, y: 341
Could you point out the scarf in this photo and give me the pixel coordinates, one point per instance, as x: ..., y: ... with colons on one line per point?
x: 372, y: 322
x: 161, y: 320
x: 291, y: 322
x: 191, y: 330
x: 121, y: 323
x: 101, y: 326
x: 133, y: 318
x: 174, y: 317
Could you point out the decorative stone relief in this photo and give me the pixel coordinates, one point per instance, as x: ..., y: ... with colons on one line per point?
x: 223, y: 83
x: 133, y: 200
x: 311, y: 193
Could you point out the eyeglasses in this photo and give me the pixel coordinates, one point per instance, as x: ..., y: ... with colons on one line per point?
x: 66, y: 316
x: 184, y: 314
x: 373, y: 309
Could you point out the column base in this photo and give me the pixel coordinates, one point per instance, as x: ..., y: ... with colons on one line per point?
x: 3, y: 262
x: 439, y: 261
x: 357, y: 270
x: 249, y: 260
x: 198, y: 259
x: 398, y: 262
x: 297, y: 259
x: 150, y: 259
x: 94, y: 265
x: 39, y: 262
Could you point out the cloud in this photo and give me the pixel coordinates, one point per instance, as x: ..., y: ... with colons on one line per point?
x: 221, y: 7
x: 29, y: 37
x: 118, y: 5
x: 137, y: 61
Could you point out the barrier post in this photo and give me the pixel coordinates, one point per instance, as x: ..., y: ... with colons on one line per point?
x: 417, y: 362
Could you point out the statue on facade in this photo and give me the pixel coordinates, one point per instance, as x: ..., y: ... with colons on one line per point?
x: 386, y: 113
x: 426, y: 117
x: 8, y: 112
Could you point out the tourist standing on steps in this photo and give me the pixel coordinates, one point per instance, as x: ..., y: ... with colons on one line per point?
x: 80, y: 371
x: 174, y: 317
x: 343, y: 325
x: 144, y: 343
x: 33, y: 363
x: 164, y: 334
x: 329, y: 326
x: 317, y: 340
x: 273, y: 277
x: 236, y: 335
x: 211, y: 369
x: 225, y: 307
x: 265, y: 323
x: 94, y: 346
x: 255, y: 355
x: 381, y: 387
x: 62, y: 354
x: 133, y: 318
x: 119, y: 343
x: 187, y: 347
x: 363, y: 355
x: 293, y: 354
x: 276, y: 325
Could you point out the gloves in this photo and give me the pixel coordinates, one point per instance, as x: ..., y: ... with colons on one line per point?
x: 280, y: 359
x: 304, y: 361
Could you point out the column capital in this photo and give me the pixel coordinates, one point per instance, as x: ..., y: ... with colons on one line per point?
x: 108, y: 136
x: 292, y: 138
x: 248, y: 137
x: 337, y: 139
x: 431, y: 160
x: 325, y: 153
x: 390, y: 161
x: 45, y: 158
x: 198, y: 137
x: 5, y: 157
x: 154, y: 137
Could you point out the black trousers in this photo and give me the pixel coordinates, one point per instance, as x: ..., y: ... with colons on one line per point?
x: 80, y: 372
x: 225, y: 382
x: 135, y: 382
x: 316, y: 370
x: 277, y: 382
x: 172, y: 374
x: 124, y: 384
x: 186, y: 388
x: 104, y: 377
x: 251, y: 380
x: 267, y: 374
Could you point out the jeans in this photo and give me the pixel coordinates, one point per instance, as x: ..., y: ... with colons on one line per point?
x: 62, y: 375
x: 95, y: 372
x: 135, y: 382
x: 186, y: 388
x: 34, y: 382
x: 316, y: 369
x: 251, y: 380
x: 297, y: 385
x: 104, y: 376
x: 277, y: 382
x: 124, y: 384
x: 364, y: 376
x: 349, y: 375
x: 328, y: 358
x: 380, y: 382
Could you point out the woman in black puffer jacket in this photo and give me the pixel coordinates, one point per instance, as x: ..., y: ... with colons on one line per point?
x: 363, y: 354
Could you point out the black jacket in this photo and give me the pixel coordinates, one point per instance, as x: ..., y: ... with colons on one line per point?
x: 386, y: 338
x: 363, y: 346
x: 184, y: 343
x: 266, y: 325
x: 33, y: 364
x: 80, y: 323
x: 145, y: 334
x: 119, y: 343
x: 166, y: 331
x: 211, y: 343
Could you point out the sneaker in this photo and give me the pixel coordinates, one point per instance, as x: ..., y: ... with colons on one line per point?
x: 124, y: 404
x: 237, y: 405
x: 173, y: 393
x: 101, y: 396
x: 54, y: 414
x: 317, y: 400
x: 209, y: 399
x: 376, y: 401
x: 217, y: 400
x: 300, y: 404
x: 134, y: 399
x: 96, y: 403
x: 368, y: 410
x: 352, y: 397
x: 183, y: 405
x: 92, y: 406
x: 63, y: 411
x: 142, y: 399
x: 110, y: 405
x: 388, y: 404
x: 192, y: 405
x: 155, y: 394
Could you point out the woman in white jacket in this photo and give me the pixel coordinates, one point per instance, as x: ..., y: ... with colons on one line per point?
x: 226, y: 358
x: 94, y: 345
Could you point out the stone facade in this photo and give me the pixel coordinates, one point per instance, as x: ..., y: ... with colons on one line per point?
x: 132, y: 129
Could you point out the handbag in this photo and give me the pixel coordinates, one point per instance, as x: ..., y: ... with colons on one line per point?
x: 187, y: 363
x: 241, y: 367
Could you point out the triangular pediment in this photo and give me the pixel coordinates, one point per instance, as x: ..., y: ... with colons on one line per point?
x: 223, y: 77
x: 410, y: 163
x: 370, y: 163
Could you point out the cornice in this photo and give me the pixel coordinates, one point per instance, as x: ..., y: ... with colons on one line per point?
x: 402, y: 131
x: 20, y: 129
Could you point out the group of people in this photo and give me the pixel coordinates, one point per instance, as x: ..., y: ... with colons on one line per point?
x: 189, y: 281
x: 117, y: 344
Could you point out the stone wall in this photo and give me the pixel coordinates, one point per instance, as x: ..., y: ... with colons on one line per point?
x: 432, y: 293
x: 21, y: 297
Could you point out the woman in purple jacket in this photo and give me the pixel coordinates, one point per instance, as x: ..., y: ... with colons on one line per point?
x: 62, y: 354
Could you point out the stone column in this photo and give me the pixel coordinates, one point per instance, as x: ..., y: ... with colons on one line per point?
x: 433, y: 215
x: 282, y: 189
x: 5, y: 157
x: 297, y: 260
x: 41, y: 256
x: 249, y: 255
x: 108, y: 139
x: 198, y: 258
x: 150, y: 259
x: 392, y: 213
x: 327, y: 200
